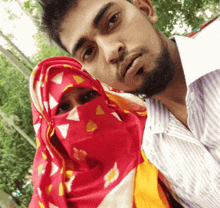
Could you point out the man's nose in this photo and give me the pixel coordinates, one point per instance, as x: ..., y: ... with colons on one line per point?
x: 112, y: 49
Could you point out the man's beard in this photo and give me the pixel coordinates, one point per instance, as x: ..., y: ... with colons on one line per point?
x: 159, y: 78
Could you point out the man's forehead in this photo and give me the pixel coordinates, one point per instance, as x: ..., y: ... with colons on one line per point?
x: 79, y: 20
x: 85, y: 8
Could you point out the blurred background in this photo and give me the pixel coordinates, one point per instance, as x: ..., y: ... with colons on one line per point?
x: 22, y: 46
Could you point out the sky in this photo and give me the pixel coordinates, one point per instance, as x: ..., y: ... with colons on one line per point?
x: 22, y: 28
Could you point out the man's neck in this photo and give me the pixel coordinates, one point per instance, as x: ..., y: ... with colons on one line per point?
x: 173, y: 97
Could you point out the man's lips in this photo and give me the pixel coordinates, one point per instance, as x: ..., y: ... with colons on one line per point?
x: 129, y: 64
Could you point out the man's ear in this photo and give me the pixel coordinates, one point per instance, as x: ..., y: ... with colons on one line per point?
x: 147, y: 8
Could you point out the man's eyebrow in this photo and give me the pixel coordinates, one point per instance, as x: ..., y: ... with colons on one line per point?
x: 101, y: 12
x: 96, y: 21
x: 78, y: 45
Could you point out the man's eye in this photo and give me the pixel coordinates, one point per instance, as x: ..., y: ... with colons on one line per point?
x: 63, y: 108
x: 88, y: 53
x: 88, y: 96
x: 112, y: 20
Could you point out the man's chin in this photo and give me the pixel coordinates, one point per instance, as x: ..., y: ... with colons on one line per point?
x: 156, y: 83
x: 158, y: 80
x: 147, y: 91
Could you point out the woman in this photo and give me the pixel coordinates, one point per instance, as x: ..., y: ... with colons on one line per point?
x: 88, y: 143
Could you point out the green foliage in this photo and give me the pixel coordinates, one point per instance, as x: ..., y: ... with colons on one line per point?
x: 181, y: 12
x: 33, y: 8
x: 177, y: 12
x: 11, y: 15
x: 46, y: 49
x: 16, y: 154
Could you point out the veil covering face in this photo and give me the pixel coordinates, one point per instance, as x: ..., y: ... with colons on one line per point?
x: 91, y: 155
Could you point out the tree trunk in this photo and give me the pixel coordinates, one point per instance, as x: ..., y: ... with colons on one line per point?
x: 27, y: 61
x: 26, y: 72
x: 17, y: 128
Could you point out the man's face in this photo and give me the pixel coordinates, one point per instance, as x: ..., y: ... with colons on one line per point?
x: 113, y: 40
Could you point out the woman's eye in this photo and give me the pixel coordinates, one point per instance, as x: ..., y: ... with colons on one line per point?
x: 112, y: 20
x: 89, y: 96
x: 63, y: 108
x: 88, y: 53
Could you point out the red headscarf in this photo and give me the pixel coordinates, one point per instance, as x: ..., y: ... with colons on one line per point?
x: 99, y: 143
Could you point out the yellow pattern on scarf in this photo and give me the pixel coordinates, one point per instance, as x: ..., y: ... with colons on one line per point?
x: 148, y: 192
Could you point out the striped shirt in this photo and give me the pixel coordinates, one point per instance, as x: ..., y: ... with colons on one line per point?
x: 190, y: 159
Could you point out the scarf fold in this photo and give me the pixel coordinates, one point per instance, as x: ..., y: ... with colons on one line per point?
x: 88, y: 156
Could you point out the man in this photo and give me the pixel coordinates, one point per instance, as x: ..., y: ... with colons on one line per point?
x: 117, y: 43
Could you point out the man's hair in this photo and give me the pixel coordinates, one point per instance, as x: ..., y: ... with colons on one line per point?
x: 52, y: 16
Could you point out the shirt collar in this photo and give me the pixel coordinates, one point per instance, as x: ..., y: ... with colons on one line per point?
x: 200, y: 55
